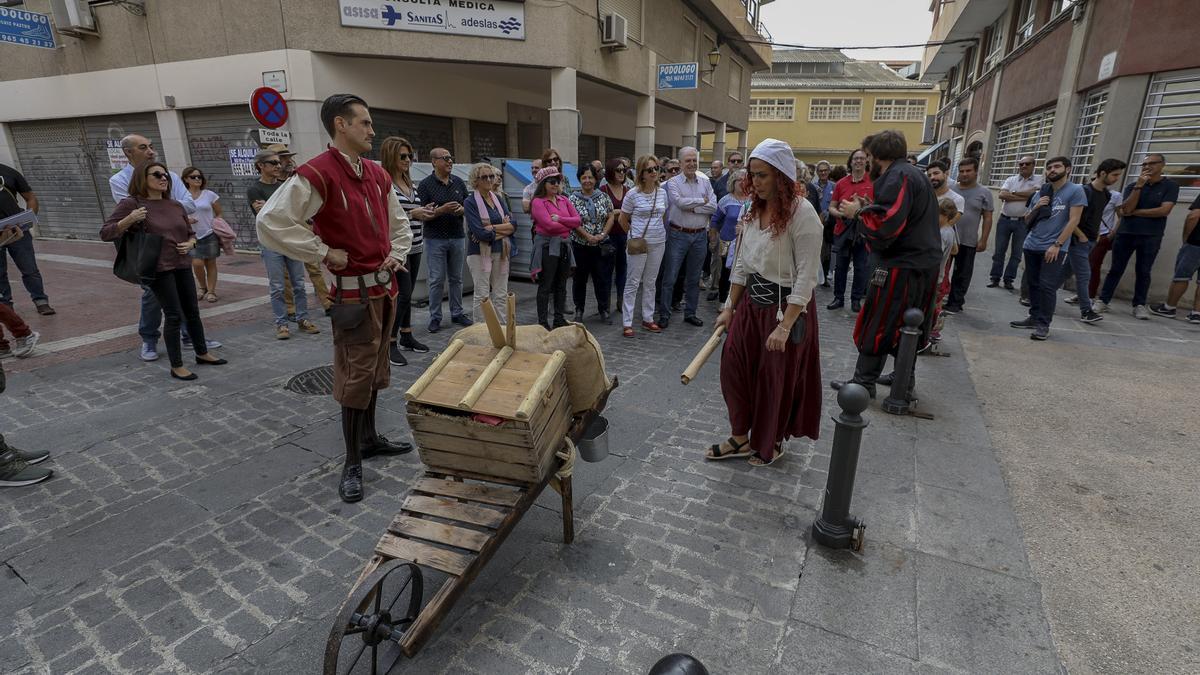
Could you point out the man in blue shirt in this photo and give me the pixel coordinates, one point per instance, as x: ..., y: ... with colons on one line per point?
x: 1052, y: 219
x: 1148, y: 201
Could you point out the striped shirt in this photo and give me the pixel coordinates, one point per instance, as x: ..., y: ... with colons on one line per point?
x: 409, y: 203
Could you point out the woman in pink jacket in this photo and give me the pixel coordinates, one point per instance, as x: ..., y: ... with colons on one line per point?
x: 554, y: 218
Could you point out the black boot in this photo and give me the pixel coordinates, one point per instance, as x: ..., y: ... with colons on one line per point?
x: 372, y: 442
x: 351, y: 486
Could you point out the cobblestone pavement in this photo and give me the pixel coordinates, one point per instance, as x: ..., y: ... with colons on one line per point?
x: 195, y: 528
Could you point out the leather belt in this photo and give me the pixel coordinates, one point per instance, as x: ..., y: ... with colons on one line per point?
x: 381, y: 277
x: 687, y: 230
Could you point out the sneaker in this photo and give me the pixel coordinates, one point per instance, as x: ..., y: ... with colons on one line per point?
x: 1193, y: 317
x: 993, y: 283
x: 1091, y: 316
x: 1162, y: 310
x: 1008, y: 286
x: 409, y: 343
x: 1140, y: 312
x: 1073, y: 300
x: 435, y: 325
x: 1026, y: 323
x: 16, y: 472
x: 28, y: 456
x: 1099, y: 306
x: 951, y: 311
x: 1024, y: 302
x: 462, y: 320
x: 282, y: 332
x: 149, y: 351
x: 45, y: 309
x: 212, y: 344
x: 24, y: 345
x: 1040, y: 333
x: 307, y: 326
x: 396, y: 357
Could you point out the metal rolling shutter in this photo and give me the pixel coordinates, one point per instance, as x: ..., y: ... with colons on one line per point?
x: 589, y: 148
x: 488, y: 139
x: 53, y: 161
x: 101, y: 130
x: 664, y: 150
x: 211, y: 132
x: 616, y: 147
x: 425, y: 132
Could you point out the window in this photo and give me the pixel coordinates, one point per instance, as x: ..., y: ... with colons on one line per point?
x: 1170, y: 126
x: 968, y: 68
x: 993, y: 45
x: 772, y: 109
x: 952, y: 80
x: 1061, y: 6
x: 899, y: 110
x: 1025, y: 14
x: 687, y: 46
x: 828, y: 68
x: 707, y: 44
x: 736, y: 73
x: 1028, y: 135
x: 631, y: 10
x: 1083, y: 150
x: 835, y: 110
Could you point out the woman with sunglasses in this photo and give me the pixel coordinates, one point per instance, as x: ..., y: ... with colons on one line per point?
x: 490, y: 246
x: 550, y: 157
x: 208, y: 244
x: 642, y: 212
x: 616, y: 177
x: 594, y: 250
x: 397, y: 155
x: 150, y: 207
x: 554, y: 218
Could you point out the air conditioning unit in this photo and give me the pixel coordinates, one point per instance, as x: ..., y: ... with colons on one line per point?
x: 73, y: 17
x: 615, y: 34
x: 959, y: 118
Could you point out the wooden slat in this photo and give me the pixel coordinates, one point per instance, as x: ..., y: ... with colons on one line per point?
x: 441, y: 533
x: 432, y: 371
x: 437, y: 459
x: 472, y: 448
x: 471, y: 492
x: 458, y: 475
x: 485, y: 380
x: 541, y: 386
x: 444, y: 508
x: 465, y: 427
x: 561, y: 406
x: 424, y: 554
x: 552, y: 439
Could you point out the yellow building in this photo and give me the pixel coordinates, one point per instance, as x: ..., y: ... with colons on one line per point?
x: 822, y: 103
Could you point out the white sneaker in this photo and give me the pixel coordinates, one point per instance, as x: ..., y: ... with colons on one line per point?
x: 1140, y: 312
x: 1100, y: 306
x: 23, y: 347
x: 1073, y: 300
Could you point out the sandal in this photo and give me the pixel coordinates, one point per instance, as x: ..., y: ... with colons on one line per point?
x: 210, y: 297
x: 200, y: 293
x: 758, y: 461
x: 714, y: 450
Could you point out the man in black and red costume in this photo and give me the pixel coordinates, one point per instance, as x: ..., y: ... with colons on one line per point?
x: 359, y: 230
x: 901, y: 227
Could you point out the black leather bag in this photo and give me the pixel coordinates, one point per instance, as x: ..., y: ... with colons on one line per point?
x: 137, y: 256
x: 349, y: 320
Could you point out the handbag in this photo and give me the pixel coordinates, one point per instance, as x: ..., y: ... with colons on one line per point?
x: 137, y: 256
x: 639, y: 245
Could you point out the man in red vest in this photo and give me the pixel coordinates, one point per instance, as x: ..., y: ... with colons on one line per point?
x: 361, y: 233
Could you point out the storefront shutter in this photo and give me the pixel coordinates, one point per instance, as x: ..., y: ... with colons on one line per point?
x: 425, y: 132
x: 488, y: 139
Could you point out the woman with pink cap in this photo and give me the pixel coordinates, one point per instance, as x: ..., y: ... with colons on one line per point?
x: 554, y: 218
x: 771, y: 362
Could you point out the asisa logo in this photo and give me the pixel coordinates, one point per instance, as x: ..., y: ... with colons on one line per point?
x: 509, y: 25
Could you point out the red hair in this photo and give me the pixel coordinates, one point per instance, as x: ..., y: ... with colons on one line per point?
x: 778, y: 211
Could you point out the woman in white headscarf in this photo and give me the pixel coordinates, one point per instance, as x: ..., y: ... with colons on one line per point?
x: 770, y: 365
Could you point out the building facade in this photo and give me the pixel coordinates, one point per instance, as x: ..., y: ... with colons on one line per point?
x: 1088, y: 79
x: 481, y: 79
x: 823, y: 103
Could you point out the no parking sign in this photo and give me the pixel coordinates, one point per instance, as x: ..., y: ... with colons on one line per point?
x: 268, y: 107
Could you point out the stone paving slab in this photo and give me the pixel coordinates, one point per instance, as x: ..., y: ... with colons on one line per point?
x: 671, y: 553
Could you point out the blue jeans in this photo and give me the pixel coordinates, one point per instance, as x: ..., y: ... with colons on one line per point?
x: 1124, y: 247
x: 683, y: 248
x: 1044, y: 280
x: 444, y: 259
x: 845, y: 250
x: 152, y: 317
x: 22, y: 254
x: 276, y: 263
x: 1078, y: 259
x: 1010, y: 235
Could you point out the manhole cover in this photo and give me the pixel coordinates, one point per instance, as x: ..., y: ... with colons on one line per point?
x: 315, y: 381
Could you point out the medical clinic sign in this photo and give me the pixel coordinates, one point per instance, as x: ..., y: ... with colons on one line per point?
x: 500, y: 19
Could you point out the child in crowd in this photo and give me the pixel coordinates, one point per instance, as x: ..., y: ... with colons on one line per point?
x: 947, y: 216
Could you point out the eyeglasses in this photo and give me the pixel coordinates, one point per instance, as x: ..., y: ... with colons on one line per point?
x: 619, y: 170
x: 735, y: 161
x: 553, y: 181
x: 195, y: 176
x: 157, y: 174
x: 651, y: 169
x: 1024, y: 163
x: 674, y: 169
x: 404, y: 155
x: 272, y: 162
x: 490, y: 176
x: 554, y: 160
x: 446, y: 158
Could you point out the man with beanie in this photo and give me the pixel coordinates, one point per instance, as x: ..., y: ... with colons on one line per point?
x: 360, y: 231
x: 901, y: 228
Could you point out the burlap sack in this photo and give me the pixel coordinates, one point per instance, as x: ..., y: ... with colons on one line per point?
x: 587, y: 379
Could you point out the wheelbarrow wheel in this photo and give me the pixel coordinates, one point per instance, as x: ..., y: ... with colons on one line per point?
x: 378, y: 611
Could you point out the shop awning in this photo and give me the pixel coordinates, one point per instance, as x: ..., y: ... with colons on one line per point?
x: 926, y: 156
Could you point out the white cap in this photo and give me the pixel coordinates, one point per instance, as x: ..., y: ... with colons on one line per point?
x: 778, y: 154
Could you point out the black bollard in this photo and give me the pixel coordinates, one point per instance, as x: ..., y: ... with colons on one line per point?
x: 835, y: 527
x: 899, y: 401
x: 678, y: 664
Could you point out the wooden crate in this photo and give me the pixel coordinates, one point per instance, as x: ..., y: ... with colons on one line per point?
x: 527, y: 390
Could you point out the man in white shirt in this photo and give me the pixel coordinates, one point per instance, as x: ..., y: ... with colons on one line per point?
x: 692, y: 203
x: 941, y: 185
x: 140, y: 149
x: 1010, y: 231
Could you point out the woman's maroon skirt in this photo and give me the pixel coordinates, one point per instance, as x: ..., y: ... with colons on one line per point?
x: 771, y: 396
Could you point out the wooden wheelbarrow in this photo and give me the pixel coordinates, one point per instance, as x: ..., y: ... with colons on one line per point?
x: 494, y: 427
